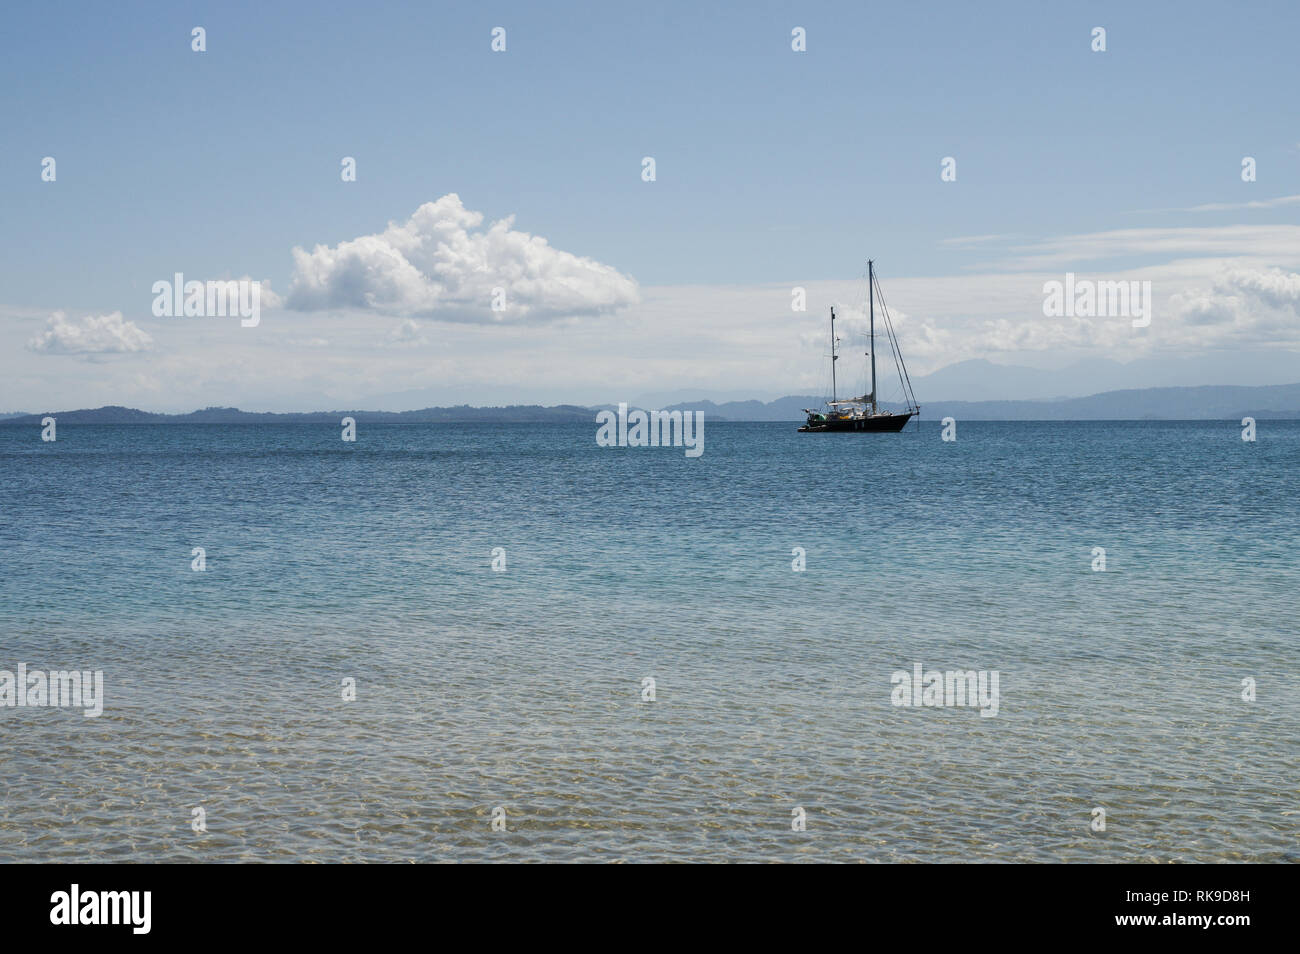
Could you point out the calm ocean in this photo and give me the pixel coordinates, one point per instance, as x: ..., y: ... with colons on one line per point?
x: 523, y: 689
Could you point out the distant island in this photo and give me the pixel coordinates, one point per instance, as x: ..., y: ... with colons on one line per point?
x: 114, y: 414
x: 1210, y: 402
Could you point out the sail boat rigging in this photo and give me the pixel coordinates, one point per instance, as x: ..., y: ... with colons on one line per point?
x: 863, y: 414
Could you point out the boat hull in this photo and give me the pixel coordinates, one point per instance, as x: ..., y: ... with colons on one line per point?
x: 877, y: 424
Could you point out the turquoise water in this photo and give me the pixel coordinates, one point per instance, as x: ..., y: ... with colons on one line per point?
x: 523, y: 689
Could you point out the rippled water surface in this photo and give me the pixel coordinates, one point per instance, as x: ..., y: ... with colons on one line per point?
x: 523, y: 689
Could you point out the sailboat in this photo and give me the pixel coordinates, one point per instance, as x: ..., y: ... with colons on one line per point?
x: 862, y: 415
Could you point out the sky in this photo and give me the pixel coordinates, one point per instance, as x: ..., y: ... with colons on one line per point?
x: 523, y: 170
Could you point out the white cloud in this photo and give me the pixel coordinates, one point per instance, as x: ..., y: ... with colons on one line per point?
x: 440, y: 264
x: 962, y: 241
x: 408, y: 332
x: 1261, y: 304
x: 94, y: 334
x: 267, y: 298
x: 1199, y: 310
x: 1274, y: 287
x: 737, y: 338
x: 1273, y: 203
x: 1279, y: 242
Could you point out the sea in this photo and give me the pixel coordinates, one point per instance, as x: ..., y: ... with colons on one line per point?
x: 470, y: 643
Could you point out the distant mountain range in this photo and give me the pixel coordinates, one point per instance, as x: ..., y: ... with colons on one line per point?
x: 1210, y: 402
x: 233, y: 415
x: 981, y: 380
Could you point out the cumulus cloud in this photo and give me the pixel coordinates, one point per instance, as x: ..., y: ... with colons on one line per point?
x: 94, y: 334
x: 1272, y: 286
x: 1257, y: 304
x: 267, y: 298
x: 1205, y: 310
x: 442, y: 264
x: 1237, y: 293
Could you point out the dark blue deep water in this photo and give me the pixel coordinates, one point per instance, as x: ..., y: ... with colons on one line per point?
x: 522, y: 689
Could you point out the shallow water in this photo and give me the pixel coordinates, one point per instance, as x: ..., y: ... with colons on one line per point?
x: 523, y: 688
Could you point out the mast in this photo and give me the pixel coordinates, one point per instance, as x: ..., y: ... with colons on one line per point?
x: 834, y: 356
x: 871, y: 295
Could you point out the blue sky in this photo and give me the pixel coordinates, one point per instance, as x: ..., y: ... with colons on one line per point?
x: 774, y: 168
